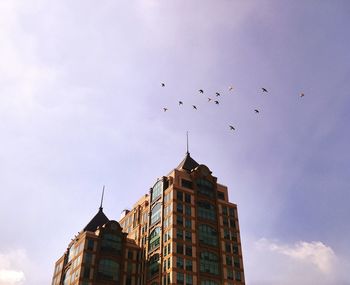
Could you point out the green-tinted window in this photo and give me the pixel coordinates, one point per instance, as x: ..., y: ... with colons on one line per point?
x: 206, y: 210
x: 153, y: 265
x: 205, y: 188
x: 180, y: 278
x: 209, y: 263
x: 108, y: 269
x: 208, y: 282
x: 179, y: 262
x: 154, y: 239
x: 157, y: 190
x: 155, y: 214
x: 207, y: 235
x: 111, y: 242
x: 189, y: 279
x: 186, y: 183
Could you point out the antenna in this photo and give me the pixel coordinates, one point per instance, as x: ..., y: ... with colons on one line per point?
x: 187, y: 152
x: 103, y: 192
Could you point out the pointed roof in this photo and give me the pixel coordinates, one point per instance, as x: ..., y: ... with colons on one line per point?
x: 188, y: 163
x: 98, y: 220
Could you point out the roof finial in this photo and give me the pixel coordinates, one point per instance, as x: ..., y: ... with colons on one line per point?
x: 103, y: 192
x: 187, y: 152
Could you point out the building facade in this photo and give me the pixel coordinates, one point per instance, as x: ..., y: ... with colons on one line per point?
x: 185, y: 231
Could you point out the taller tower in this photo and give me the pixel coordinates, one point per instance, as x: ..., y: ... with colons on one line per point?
x: 187, y: 229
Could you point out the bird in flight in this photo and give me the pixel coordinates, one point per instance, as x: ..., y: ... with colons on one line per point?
x: 302, y: 95
x: 180, y: 103
x: 194, y: 107
x: 201, y: 91
x: 163, y: 84
x: 209, y: 99
x: 231, y: 128
x: 264, y: 90
x: 230, y: 88
x: 256, y: 111
x: 165, y: 109
x: 216, y: 102
x: 217, y: 94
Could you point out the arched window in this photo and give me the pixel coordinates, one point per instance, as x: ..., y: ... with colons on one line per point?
x: 157, y: 190
x: 209, y: 263
x: 108, y: 269
x: 154, y: 238
x: 206, y: 210
x: 208, y: 235
x: 155, y: 214
x: 205, y: 188
x: 153, y: 265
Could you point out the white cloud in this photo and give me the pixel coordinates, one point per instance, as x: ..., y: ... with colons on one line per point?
x: 11, y: 272
x: 315, y: 252
x: 273, y: 262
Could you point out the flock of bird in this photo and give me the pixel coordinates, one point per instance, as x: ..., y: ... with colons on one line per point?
x: 217, y: 102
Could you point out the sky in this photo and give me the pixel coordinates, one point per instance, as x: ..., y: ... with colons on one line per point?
x: 81, y: 106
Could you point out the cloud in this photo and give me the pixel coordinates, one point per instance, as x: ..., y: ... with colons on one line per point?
x: 11, y: 272
x: 272, y: 262
x: 315, y: 252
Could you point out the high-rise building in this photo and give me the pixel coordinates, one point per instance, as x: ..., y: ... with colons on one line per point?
x: 185, y: 231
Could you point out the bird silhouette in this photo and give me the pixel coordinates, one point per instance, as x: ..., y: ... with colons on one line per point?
x: 181, y: 103
x: 216, y: 102
x: 165, y: 109
x: 302, y: 95
x: 194, y: 107
x: 217, y: 94
x: 230, y: 88
x: 256, y: 111
x: 209, y: 99
x: 264, y: 90
x: 163, y: 84
x: 201, y: 91
x: 231, y: 128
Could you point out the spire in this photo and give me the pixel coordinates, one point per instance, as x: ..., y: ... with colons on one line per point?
x: 103, y: 192
x: 187, y: 152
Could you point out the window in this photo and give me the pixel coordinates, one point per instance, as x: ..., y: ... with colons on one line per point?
x: 179, y: 248
x: 221, y: 195
x: 232, y: 212
x: 229, y: 274
x: 187, y: 198
x: 205, y: 188
x: 157, y: 190
x: 189, y: 265
x: 179, y: 196
x: 188, y: 235
x: 228, y: 260
x: 206, y: 211
x: 237, y: 262
x: 154, y: 239
x: 208, y: 282
x: 180, y: 278
x: 235, y: 249
x: 108, y: 269
x: 238, y: 276
x: 179, y: 262
x: 179, y: 234
x: 189, y: 279
x: 188, y: 210
x: 209, y: 263
x: 179, y: 208
x: 189, y: 250
x: 179, y: 220
x: 111, y: 243
x: 90, y: 244
x: 153, y: 265
x: 188, y: 223
x: 186, y: 184
x: 207, y: 235
x: 155, y: 214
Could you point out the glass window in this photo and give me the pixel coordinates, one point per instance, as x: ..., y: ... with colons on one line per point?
x: 186, y: 184
x: 154, y: 239
x: 206, y: 210
x: 155, y: 214
x: 179, y: 208
x: 179, y: 196
x: 187, y: 198
x: 153, y: 265
x: 90, y: 244
x: 188, y: 235
x: 209, y: 263
x: 179, y: 262
x: 179, y: 234
x: 205, y: 188
x: 238, y: 276
x: 188, y: 223
x: 189, y: 265
x: 111, y: 242
x: 189, y: 250
x: 208, y: 282
x: 221, y: 195
x: 179, y: 248
x: 157, y: 190
x: 189, y: 279
x: 207, y: 235
x: 179, y: 220
x: 180, y: 278
x: 188, y: 210
x: 108, y: 269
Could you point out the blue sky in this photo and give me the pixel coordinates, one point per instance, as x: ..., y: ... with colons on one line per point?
x: 81, y: 106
